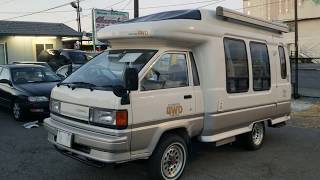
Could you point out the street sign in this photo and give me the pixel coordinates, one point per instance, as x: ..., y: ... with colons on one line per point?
x: 103, y: 18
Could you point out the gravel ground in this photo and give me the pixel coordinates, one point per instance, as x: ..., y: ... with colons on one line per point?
x: 305, y: 113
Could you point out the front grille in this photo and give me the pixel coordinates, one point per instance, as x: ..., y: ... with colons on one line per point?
x: 71, y: 118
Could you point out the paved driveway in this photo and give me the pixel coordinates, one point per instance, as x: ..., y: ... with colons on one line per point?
x: 288, y: 153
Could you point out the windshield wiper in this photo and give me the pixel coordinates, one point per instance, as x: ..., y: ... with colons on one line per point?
x: 74, y: 85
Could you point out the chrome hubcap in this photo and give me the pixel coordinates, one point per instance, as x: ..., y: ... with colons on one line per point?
x: 173, y: 161
x: 16, y: 111
x: 257, y: 133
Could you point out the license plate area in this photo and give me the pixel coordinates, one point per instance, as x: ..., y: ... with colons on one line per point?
x: 64, y: 138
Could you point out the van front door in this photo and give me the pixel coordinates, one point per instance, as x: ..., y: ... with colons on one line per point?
x: 165, y: 95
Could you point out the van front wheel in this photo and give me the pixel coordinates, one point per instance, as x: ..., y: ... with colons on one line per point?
x: 169, y: 158
x: 253, y: 140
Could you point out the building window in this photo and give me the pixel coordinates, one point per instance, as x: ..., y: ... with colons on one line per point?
x: 248, y: 13
x: 237, y: 73
x: 260, y: 66
x: 41, y: 47
x: 283, y: 63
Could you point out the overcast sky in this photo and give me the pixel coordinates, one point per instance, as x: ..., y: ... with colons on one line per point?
x: 67, y: 15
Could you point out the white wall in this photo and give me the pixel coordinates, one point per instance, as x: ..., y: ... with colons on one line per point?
x: 23, y: 48
x: 309, y: 38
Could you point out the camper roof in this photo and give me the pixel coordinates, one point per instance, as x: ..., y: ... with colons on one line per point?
x: 191, y: 26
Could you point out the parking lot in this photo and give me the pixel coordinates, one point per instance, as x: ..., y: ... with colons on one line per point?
x: 288, y: 153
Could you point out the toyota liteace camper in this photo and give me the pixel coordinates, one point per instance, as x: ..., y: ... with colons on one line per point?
x: 220, y: 76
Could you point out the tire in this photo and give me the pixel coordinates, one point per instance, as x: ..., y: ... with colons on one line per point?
x: 162, y: 165
x: 17, y: 112
x: 254, y: 140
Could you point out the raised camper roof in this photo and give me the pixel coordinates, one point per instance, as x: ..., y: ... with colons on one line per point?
x: 169, y: 15
x: 192, y: 26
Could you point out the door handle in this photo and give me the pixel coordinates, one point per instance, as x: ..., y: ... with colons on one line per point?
x: 187, y: 96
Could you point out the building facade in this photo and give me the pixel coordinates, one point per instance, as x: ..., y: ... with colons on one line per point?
x: 23, y: 41
x: 283, y: 11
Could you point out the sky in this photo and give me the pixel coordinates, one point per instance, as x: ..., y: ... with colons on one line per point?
x: 67, y: 15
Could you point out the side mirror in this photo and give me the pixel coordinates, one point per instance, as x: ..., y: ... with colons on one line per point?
x: 131, y: 79
x: 5, y: 81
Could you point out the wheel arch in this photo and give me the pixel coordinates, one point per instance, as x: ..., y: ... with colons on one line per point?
x: 180, y: 131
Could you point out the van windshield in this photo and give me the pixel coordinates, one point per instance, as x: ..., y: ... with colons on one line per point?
x: 107, y: 69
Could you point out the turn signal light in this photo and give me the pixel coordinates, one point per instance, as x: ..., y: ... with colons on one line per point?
x: 122, y: 119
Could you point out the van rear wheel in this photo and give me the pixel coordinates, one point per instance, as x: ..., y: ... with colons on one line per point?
x: 169, y: 159
x: 254, y: 140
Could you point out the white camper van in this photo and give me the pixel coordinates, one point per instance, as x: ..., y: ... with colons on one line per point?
x: 219, y: 76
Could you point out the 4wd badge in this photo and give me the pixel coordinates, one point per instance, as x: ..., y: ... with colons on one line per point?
x: 174, y: 109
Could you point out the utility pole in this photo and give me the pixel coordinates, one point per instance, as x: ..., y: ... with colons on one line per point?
x: 78, y: 15
x: 76, y: 5
x: 136, y: 8
x: 296, y: 55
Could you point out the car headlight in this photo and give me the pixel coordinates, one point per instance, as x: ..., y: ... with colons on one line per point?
x: 37, y: 99
x: 55, y: 106
x: 110, y: 119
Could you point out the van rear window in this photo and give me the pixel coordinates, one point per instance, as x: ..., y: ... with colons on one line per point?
x: 283, y: 63
x: 236, y: 65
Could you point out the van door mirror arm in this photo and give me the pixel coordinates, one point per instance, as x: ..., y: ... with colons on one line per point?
x: 122, y: 92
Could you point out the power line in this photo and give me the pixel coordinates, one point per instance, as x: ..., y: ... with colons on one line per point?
x: 173, y: 5
x: 151, y: 7
x: 210, y: 4
x: 129, y: 2
x: 37, y: 12
x: 119, y: 2
x: 87, y: 15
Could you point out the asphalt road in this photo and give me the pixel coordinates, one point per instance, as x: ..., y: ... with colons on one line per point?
x: 288, y: 153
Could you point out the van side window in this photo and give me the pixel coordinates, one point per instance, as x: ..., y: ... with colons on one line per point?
x: 237, y: 71
x: 260, y: 66
x: 283, y: 63
x: 196, y: 81
x: 170, y: 71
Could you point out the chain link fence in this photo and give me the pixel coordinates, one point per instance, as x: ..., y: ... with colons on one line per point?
x: 308, y: 76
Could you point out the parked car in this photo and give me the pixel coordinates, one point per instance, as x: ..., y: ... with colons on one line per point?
x: 91, y: 55
x: 35, y: 63
x: 59, y: 58
x: 67, y: 70
x: 25, y: 89
x: 218, y: 76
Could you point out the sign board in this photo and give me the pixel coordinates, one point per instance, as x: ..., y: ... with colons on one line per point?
x: 102, y: 18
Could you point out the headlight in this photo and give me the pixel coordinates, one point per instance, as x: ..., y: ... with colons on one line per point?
x: 55, y: 106
x: 111, y: 119
x: 37, y: 99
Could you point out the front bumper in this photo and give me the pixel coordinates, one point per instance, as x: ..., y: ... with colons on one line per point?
x: 92, y: 145
x: 36, y: 108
